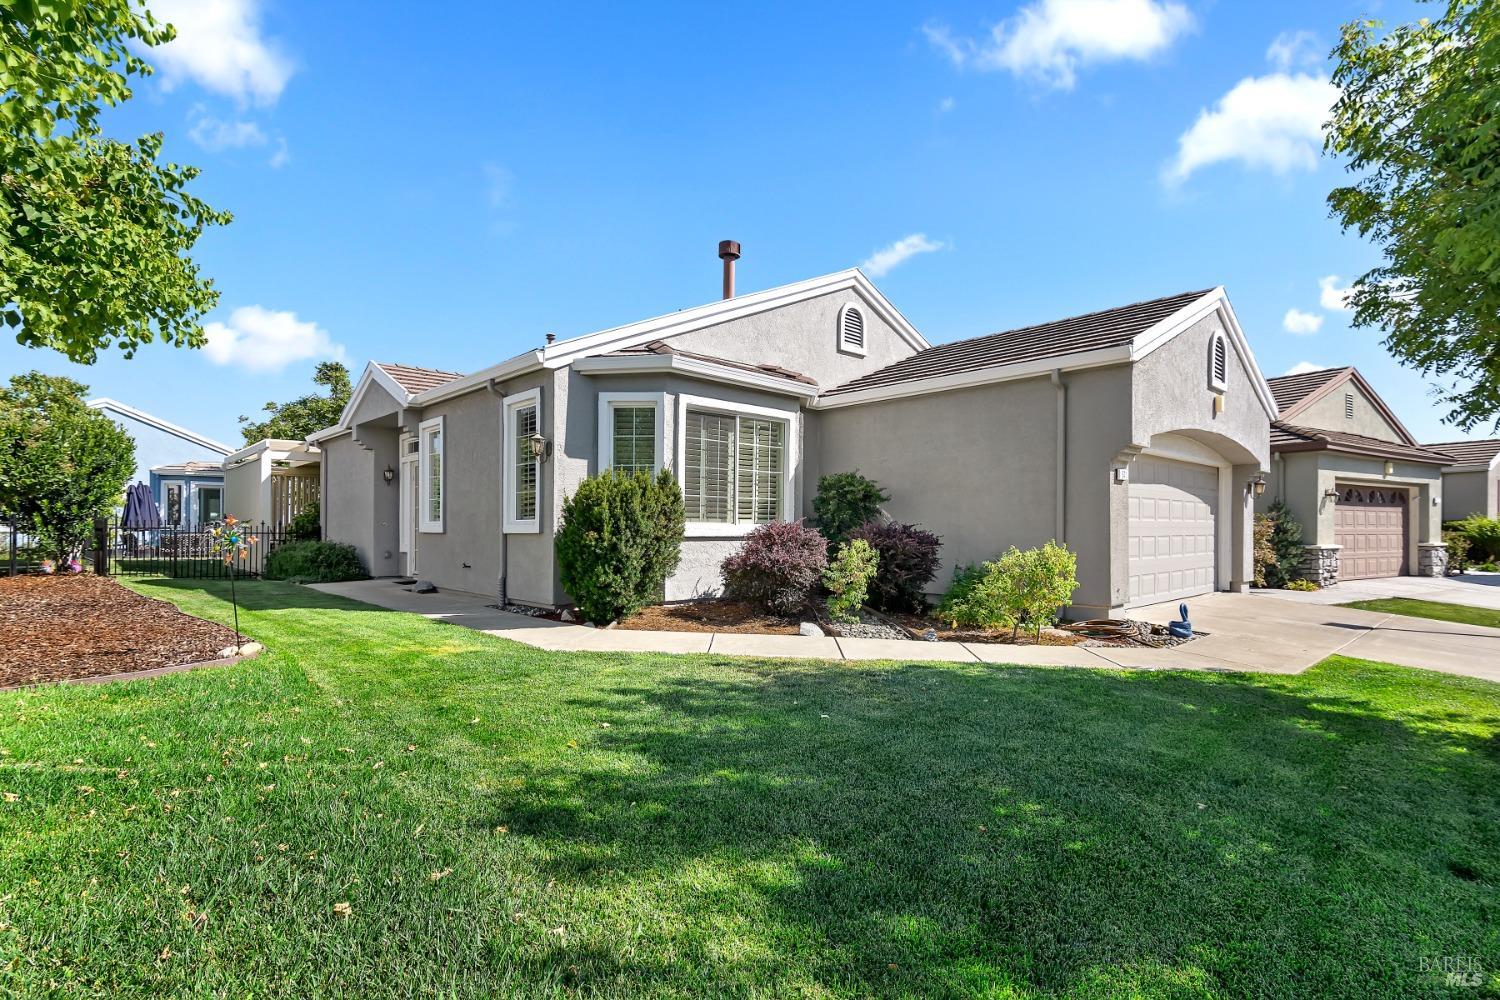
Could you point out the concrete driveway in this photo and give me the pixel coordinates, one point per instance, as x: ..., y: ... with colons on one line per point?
x: 1479, y: 590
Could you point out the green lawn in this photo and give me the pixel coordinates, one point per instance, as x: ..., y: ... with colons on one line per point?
x: 1462, y: 613
x: 514, y: 823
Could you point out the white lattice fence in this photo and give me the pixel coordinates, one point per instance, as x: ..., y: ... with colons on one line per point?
x: 290, y: 493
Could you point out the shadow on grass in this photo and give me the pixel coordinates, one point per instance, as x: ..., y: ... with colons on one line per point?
x: 253, y: 594
x: 944, y: 831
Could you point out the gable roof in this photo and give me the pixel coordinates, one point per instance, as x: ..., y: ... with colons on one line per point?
x: 105, y: 403
x: 1301, y: 391
x: 1290, y: 437
x: 1478, y: 454
x: 414, y: 379
x: 660, y: 356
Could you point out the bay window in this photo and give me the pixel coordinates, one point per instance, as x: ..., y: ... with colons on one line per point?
x: 736, y: 464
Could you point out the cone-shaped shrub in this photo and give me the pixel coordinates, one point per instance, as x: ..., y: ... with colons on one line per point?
x: 620, y: 538
x: 777, y: 567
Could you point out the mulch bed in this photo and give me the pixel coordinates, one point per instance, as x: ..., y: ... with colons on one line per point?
x: 917, y: 626
x: 56, y: 628
x: 708, y: 616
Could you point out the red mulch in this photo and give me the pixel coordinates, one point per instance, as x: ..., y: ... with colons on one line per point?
x: 708, y: 616
x: 58, y: 627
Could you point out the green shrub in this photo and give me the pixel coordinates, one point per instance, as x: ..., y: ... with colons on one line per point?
x: 1483, y: 534
x: 1303, y: 585
x: 848, y: 579
x: 307, y: 525
x: 1027, y: 585
x: 1457, y: 544
x: 1286, y: 542
x: 908, y: 562
x: 620, y: 538
x: 845, y: 501
x: 778, y: 567
x: 314, y: 562
x: 979, y: 598
x: 1264, y: 552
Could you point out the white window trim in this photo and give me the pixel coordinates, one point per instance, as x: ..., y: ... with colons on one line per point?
x: 607, y: 402
x: 513, y: 525
x: 1217, y: 343
x: 427, y: 525
x: 793, y: 421
x: 184, y: 508
x: 844, y: 346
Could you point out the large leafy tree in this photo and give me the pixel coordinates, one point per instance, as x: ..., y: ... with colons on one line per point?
x: 61, y: 463
x: 1418, y: 124
x: 94, y: 233
x: 305, y: 414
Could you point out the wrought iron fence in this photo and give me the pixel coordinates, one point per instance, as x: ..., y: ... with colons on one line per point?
x: 181, y: 552
x: 18, y: 549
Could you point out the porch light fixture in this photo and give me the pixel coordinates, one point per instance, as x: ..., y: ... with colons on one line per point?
x: 1390, y: 468
x: 389, y: 475
x: 538, y: 447
x: 1258, y: 485
x: 1330, y: 494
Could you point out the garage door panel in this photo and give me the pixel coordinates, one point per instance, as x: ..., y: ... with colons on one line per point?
x: 1172, y: 529
x: 1371, y: 525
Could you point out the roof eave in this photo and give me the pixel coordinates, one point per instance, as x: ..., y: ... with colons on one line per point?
x: 695, y: 368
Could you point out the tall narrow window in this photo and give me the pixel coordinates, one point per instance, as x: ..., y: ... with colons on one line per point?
x: 432, y: 444
x: 708, y: 470
x: 527, y: 476
x: 734, y: 468
x: 762, y: 468
x: 523, y: 467
x: 174, y: 504
x: 633, y: 444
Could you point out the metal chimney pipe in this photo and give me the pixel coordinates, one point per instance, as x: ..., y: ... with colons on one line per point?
x: 729, y: 252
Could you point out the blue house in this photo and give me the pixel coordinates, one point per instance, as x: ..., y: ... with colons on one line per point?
x: 185, y: 469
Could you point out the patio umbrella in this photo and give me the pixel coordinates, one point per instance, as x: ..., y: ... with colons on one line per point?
x: 140, y: 509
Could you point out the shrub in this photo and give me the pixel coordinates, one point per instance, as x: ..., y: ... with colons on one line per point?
x: 777, y: 567
x: 979, y: 598
x: 1457, y: 544
x: 307, y: 525
x: 314, y: 562
x: 1483, y: 534
x: 1265, y: 553
x: 908, y: 562
x: 620, y: 538
x: 1286, y: 542
x: 1303, y: 585
x: 1021, y: 586
x: 848, y: 579
x: 846, y: 500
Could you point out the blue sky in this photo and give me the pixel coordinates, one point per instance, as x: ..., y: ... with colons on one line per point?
x: 444, y: 191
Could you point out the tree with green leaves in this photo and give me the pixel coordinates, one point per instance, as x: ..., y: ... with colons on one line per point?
x: 305, y: 414
x: 1416, y: 122
x: 61, y: 463
x: 94, y: 233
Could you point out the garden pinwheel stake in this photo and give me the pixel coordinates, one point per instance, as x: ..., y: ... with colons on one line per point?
x: 232, y: 542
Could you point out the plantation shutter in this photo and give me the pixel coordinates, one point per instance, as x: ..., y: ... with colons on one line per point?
x: 634, y: 439
x: 762, y: 460
x: 526, y: 463
x: 708, y: 473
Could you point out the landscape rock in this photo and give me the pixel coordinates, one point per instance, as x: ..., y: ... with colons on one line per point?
x: 424, y: 587
x: 567, y: 616
x: 809, y: 629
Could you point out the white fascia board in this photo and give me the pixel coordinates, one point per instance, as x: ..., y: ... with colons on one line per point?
x: 694, y: 368
x: 518, y: 365
x: 105, y: 403
x: 1213, y: 301
x: 643, y: 332
x: 327, y: 433
x: 984, y: 376
x: 373, y: 374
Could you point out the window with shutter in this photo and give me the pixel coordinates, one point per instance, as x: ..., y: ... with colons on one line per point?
x: 522, y: 469
x: 708, y: 470
x: 734, y: 468
x: 761, y: 470
x: 526, y: 464
x: 633, y: 439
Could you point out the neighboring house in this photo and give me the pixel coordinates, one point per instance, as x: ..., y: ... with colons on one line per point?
x: 1367, y: 495
x: 1133, y: 434
x: 1471, y: 485
x: 271, y: 481
x: 184, y: 468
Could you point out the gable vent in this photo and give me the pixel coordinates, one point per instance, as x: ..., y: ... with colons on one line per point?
x: 1348, y: 406
x: 851, y: 330
x: 1218, y: 370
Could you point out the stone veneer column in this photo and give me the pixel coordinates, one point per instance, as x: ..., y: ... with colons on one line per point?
x: 1320, y: 564
x: 1432, y: 559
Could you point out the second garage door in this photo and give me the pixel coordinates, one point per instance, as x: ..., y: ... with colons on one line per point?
x: 1370, y: 523
x: 1173, y: 509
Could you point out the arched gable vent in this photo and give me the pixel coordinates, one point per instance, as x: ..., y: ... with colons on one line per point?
x: 851, y: 329
x: 1218, y: 362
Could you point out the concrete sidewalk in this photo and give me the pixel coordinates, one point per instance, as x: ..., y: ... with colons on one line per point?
x: 1477, y: 590
x: 1247, y: 632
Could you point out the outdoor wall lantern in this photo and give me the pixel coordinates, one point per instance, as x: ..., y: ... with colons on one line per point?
x: 1390, y: 468
x: 538, y: 447
x: 1330, y: 494
x: 389, y: 475
x: 1257, y: 485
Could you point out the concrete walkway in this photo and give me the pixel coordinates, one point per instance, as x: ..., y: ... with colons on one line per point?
x: 1478, y: 590
x: 1247, y: 632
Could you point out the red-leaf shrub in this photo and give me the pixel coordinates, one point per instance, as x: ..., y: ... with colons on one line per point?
x: 908, y: 562
x: 777, y: 567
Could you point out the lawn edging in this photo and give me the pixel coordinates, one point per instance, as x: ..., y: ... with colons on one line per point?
x: 135, y: 675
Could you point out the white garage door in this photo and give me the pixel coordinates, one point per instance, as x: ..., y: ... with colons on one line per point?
x: 1172, y: 508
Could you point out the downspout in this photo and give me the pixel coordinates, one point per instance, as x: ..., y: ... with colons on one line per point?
x: 1062, y: 454
x: 499, y: 394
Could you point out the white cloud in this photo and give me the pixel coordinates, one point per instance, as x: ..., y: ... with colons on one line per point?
x: 887, y: 259
x: 217, y: 135
x: 1301, y: 323
x: 1294, y: 48
x: 1274, y: 122
x: 219, y: 46
x: 1303, y: 367
x: 282, y: 156
x: 1051, y: 39
x: 262, y: 340
x: 1331, y: 296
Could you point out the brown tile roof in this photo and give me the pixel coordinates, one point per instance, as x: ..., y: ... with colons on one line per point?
x: 1290, y: 437
x: 661, y: 347
x: 414, y: 379
x: 1289, y: 390
x: 1091, y: 331
x: 189, y: 467
x: 1469, y: 452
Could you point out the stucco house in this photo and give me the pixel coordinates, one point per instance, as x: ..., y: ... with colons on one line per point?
x: 1135, y: 435
x: 1471, y: 485
x: 184, y: 468
x: 1368, y: 496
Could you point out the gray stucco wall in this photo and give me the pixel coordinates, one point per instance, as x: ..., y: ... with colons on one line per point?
x: 349, y: 510
x: 1466, y: 493
x: 1328, y: 413
x: 803, y: 337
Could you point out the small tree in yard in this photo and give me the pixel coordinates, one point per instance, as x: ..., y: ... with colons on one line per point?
x: 848, y: 579
x: 61, y: 463
x: 1286, y: 542
x: 1264, y: 552
x: 620, y: 538
x: 845, y: 501
x: 778, y: 567
x: 908, y: 562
